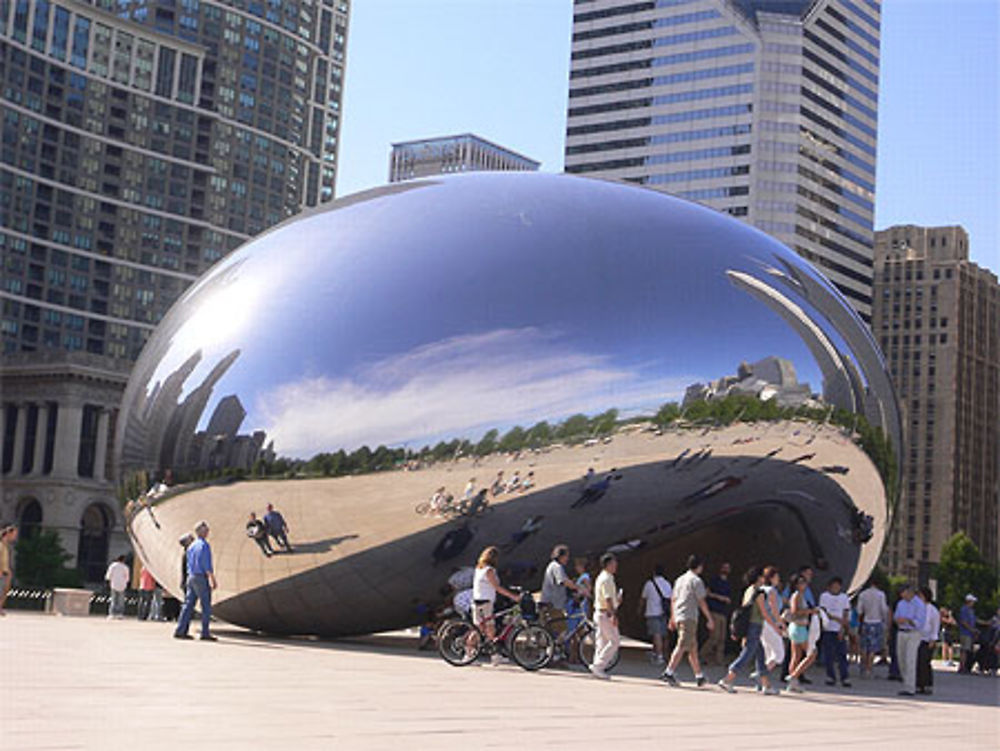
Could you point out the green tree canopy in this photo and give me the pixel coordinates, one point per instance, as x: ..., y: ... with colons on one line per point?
x: 41, y: 562
x: 963, y: 570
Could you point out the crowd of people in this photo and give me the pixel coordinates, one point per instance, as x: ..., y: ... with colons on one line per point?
x: 780, y: 629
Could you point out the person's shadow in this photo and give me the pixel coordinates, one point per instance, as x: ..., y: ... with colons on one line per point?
x: 319, y: 546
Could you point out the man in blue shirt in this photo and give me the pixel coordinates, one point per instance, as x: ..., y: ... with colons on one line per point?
x: 201, y: 582
x: 277, y: 527
x: 719, y: 599
x: 909, y: 618
x: 967, y: 632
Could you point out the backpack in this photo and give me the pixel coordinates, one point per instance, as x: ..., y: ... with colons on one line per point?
x: 739, y: 621
x: 664, y: 601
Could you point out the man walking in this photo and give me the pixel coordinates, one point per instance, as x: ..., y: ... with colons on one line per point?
x: 688, y: 602
x: 909, y: 618
x: 873, y: 610
x: 836, y: 618
x: 720, y: 594
x: 929, y: 635
x: 967, y: 632
x: 200, y: 583
x: 654, y: 606
x: 606, y: 602
x: 552, y: 601
x: 277, y: 527
x: 117, y: 577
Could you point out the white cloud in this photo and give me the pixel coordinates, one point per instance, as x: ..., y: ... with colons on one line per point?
x: 457, y: 387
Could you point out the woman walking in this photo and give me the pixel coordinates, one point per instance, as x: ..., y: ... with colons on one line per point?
x: 773, y: 630
x: 799, y: 615
x: 485, y: 586
x: 753, y: 598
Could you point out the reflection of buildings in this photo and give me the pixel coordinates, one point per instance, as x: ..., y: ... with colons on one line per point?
x: 764, y: 110
x: 770, y: 378
x: 448, y: 154
x: 59, y: 413
x: 220, y: 446
x: 937, y: 317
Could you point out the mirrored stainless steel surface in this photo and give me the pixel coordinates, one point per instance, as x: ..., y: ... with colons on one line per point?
x: 648, y: 376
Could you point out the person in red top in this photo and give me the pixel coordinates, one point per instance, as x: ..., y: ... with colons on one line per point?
x: 147, y: 584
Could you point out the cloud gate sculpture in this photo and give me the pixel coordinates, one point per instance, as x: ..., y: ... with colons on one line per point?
x: 549, y: 358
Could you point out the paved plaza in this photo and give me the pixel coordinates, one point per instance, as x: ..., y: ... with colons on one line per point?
x: 89, y: 683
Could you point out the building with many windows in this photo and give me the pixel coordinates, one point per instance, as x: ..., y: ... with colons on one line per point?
x: 764, y: 109
x: 937, y: 317
x: 145, y: 139
x: 447, y: 154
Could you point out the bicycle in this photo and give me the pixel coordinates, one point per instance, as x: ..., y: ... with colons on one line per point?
x: 461, y: 642
x: 578, y: 642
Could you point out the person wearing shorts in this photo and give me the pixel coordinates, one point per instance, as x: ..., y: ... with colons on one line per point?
x: 800, y: 617
x: 873, y: 612
x: 485, y: 586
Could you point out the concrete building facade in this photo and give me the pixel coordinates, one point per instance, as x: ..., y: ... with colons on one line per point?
x: 448, y: 154
x: 143, y: 141
x: 937, y: 318
x: 59, y: 413
x: 763, y: 109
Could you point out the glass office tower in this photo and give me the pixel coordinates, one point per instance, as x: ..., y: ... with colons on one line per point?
x: 764, y: 109
x: 145, y: 139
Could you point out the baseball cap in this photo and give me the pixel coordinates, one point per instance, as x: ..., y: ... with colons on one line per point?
x: 971, y: 597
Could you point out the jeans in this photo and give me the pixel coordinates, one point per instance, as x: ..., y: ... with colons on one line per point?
x: 116, y: 605
x: 145, y: 598
x: 605, y: 641
x: 752, y: 650
x: 197, y: 590
x: 834, y: 650
x: 156, y: 609
x: 281, y: 538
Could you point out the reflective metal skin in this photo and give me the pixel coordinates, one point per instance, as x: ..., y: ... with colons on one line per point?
x: 430, y: 313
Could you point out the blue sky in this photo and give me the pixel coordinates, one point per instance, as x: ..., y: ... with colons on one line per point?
x: 499, y: 68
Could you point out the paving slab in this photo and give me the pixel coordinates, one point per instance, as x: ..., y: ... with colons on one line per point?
x: 89, y: 683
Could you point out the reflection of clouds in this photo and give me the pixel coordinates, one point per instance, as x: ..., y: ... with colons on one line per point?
x: 455, y: 388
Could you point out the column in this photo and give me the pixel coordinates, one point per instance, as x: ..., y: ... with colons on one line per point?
x: 101, y: 448
x: 20, y: 435
x: 69, y: 422
x: 41, y: 432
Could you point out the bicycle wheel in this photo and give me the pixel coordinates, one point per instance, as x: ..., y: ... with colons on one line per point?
x: 586, y: 649
x: 562, y: 639
x: 423, y: 508
x: 531, y: 647
x: 459, y: 642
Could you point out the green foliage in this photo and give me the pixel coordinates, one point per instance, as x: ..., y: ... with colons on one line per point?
x: 41, y: 562
x: 487, y: 444
x: 575, y: 428
x: 667, y: 414
x: 963, y: 569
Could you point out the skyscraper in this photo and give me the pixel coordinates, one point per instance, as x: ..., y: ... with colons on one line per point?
x: 937, y: 317
x: 764, y: 109
x: 447, y: 154
x: 142, y: 145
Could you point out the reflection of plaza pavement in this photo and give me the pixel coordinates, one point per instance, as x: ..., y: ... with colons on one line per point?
x: 93, y: 684
x: 367, y: 523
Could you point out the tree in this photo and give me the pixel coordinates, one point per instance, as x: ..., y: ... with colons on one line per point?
x: 604, y: 423
x: 513, y: 439
x: 539, y: 435
x: 576, y: 426
x: 667, y: 414
x: 41, y: 562
x: 962, y: 570
x: 488, y: 443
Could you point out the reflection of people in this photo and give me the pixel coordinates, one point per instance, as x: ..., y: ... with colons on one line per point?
x: 257, y: 532
x: 277, y: 527
x: 470, y: 489
x: 528, y: 482
x: 531, y: 525
x: 201, y: 582
x: 498, y: 485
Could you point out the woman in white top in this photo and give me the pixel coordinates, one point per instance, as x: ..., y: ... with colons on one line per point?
x: 772, y: 635
x: 485, y: 585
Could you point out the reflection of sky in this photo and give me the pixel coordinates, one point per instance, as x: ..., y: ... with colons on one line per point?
x: 475, y: 302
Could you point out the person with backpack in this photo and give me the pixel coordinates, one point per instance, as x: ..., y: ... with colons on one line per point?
x: 654, y: 605
x: 747, y: 623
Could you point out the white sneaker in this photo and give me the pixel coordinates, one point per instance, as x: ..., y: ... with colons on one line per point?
x: 498, y: 660
x: 599, y: 674
x: 727, y: 687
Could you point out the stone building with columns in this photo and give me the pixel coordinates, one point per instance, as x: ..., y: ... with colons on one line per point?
x: 59, y: 412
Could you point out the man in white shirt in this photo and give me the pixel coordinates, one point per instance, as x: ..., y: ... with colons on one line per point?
x: 117, y: 578
x: 606, y: 602
x: 656, y: 593
x: 835, y: 610
x: 929, y: 634
x: 873, y: 611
